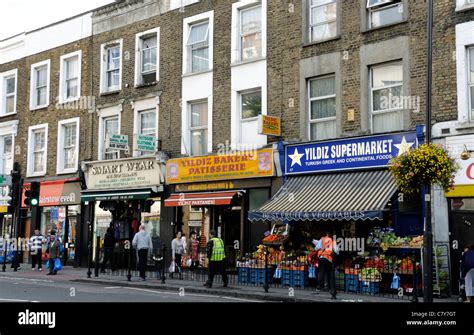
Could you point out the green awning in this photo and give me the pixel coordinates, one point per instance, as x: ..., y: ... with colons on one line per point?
x: 115, y: 195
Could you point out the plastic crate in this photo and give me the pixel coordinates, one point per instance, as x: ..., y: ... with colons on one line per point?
x: 243, y: 275
x: 370, y: 287
x: 257, y: 276
x: 352, y: 283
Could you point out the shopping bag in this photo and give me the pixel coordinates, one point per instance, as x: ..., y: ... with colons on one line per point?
x: 311, y: 271
x: 57, y: 264
x: 189, y: 262
x: 277, y: 274
x: 184, y: 261
x: 172, y: 267
x: 395, y: 282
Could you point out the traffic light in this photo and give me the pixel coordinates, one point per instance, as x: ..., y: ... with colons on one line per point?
x: 14, y: 189
x: 32, y: 195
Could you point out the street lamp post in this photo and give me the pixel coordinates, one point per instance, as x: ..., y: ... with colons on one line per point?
x: 428, y: 231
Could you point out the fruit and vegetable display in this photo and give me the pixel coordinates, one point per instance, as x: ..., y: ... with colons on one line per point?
x: 278, y: 235
x: 370, y: 275
x: 385, y: 238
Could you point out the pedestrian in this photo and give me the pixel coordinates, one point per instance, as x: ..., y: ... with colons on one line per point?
x: 53, y: 252
x: 193, y: 250
x: 177, y: 251
x: 109, y: 243
x: 142, y: 243
x: 216, y: 255
x: 468, y: 272
x: 36, y: 249
x: 327, y: 249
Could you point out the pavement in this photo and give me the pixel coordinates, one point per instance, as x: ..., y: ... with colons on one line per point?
x: 23, y: 286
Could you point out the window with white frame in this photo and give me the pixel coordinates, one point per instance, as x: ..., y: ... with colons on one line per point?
x: 111, y: 67
x: 322, y: 107
x: 110, y: 126
x: 470, y: 80
x: 198, y: 127
x: 250, y: 108
x: 251, y: 33
x: 322, y: 19
x: 384, y: 12
x: 386, y: 95
x: 37, y: 149
x: 68, y: 145
x: 9, y: 84
x: 147, y: 124
x: 70, y: 76
x: 6, y: 152
x: 39, y: 87
x: 197, y: 45
x: 147, y: 57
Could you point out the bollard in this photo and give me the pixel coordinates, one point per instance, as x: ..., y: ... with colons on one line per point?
x: 97, y: 256
x: 129, y: 250
x: 266, y: 286
x: 414, y: 299
x: 163, y: 279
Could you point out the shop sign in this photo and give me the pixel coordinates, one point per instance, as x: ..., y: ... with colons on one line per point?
x: 269, y: 125
x: 3, y: 209
x: 146, y: 143
x: 5, y: 180
x: 194, y: 223
x: 347, y: 154
x: 252, y: 164
x: 57, y: 193
x: 223, y: 185
x: 123, y: 174
x: 117, y: 142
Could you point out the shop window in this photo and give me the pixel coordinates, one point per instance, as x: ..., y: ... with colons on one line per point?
x: 110, y: 127
x: 322, y: 108
x: 198, y: 47
x: 39, y: 90
x: 471, y: 81
x: 8, y: 98
x: 70, y: 77
x: 386, y: 92
x: 384, y: 12
x: 198, y: 128
x: 322, y: 19
x: 250, y: 33
x: 37, y: 149
x: 147, y: 57
x: 68, y: 145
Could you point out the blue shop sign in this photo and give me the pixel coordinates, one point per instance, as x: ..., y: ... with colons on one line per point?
x: 347, y: 154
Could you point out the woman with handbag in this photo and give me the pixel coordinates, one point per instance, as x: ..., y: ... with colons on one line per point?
x: 177, y: 251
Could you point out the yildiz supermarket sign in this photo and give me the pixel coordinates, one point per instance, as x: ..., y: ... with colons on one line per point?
x: 357, y: 153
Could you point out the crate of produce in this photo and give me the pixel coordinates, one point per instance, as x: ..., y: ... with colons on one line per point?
x: 243, y: 275
x: 257, y: 276
x: 368, y: 287
x: 352, y: 283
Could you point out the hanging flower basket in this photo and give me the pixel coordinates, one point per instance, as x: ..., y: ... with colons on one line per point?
x: 429, y: 163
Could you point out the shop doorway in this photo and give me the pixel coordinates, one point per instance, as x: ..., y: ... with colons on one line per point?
x: 461, y: 233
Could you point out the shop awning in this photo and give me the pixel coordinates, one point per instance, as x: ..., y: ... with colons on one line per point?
x: 115, y: 195
x: 201, y: 199
x: 343, y: 196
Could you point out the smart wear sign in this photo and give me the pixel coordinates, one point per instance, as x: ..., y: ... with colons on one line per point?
x: 347, y: 154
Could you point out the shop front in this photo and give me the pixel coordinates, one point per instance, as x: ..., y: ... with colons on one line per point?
x: 121, y: 195
x: 216, y: 192
x: 60, y: 210
x: 460, y: 205
x: 344, y: 187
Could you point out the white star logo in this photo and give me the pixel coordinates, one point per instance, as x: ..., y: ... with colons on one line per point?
x: 296, y: 158
x: 404, y: 146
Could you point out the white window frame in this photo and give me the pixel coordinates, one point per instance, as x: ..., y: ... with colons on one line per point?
x: 62, y: 76
x: 242, y: 35
x: 139, y: 107
x: 3, y: 89
x: 371, y: 94
x: 2, y: 154
x: 236, y: 47
x: 470, y: 84
x: 103, y: 114
x: 35, y: 66
x: 382, y: 5
x: 198, y: 128
x: 60, y: 146
x: 30, y: 160
x: 239, y: 108
x: 311, y: 26
x: 138, y: 54
x: 103, y: 66
x: 187, y: 24
x: 464, y: 5
x: 310, y: 99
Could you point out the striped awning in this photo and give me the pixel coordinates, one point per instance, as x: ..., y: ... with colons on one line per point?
x: 342, y: 196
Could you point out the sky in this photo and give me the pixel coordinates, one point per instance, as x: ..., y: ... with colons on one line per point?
x: 17, y: 16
